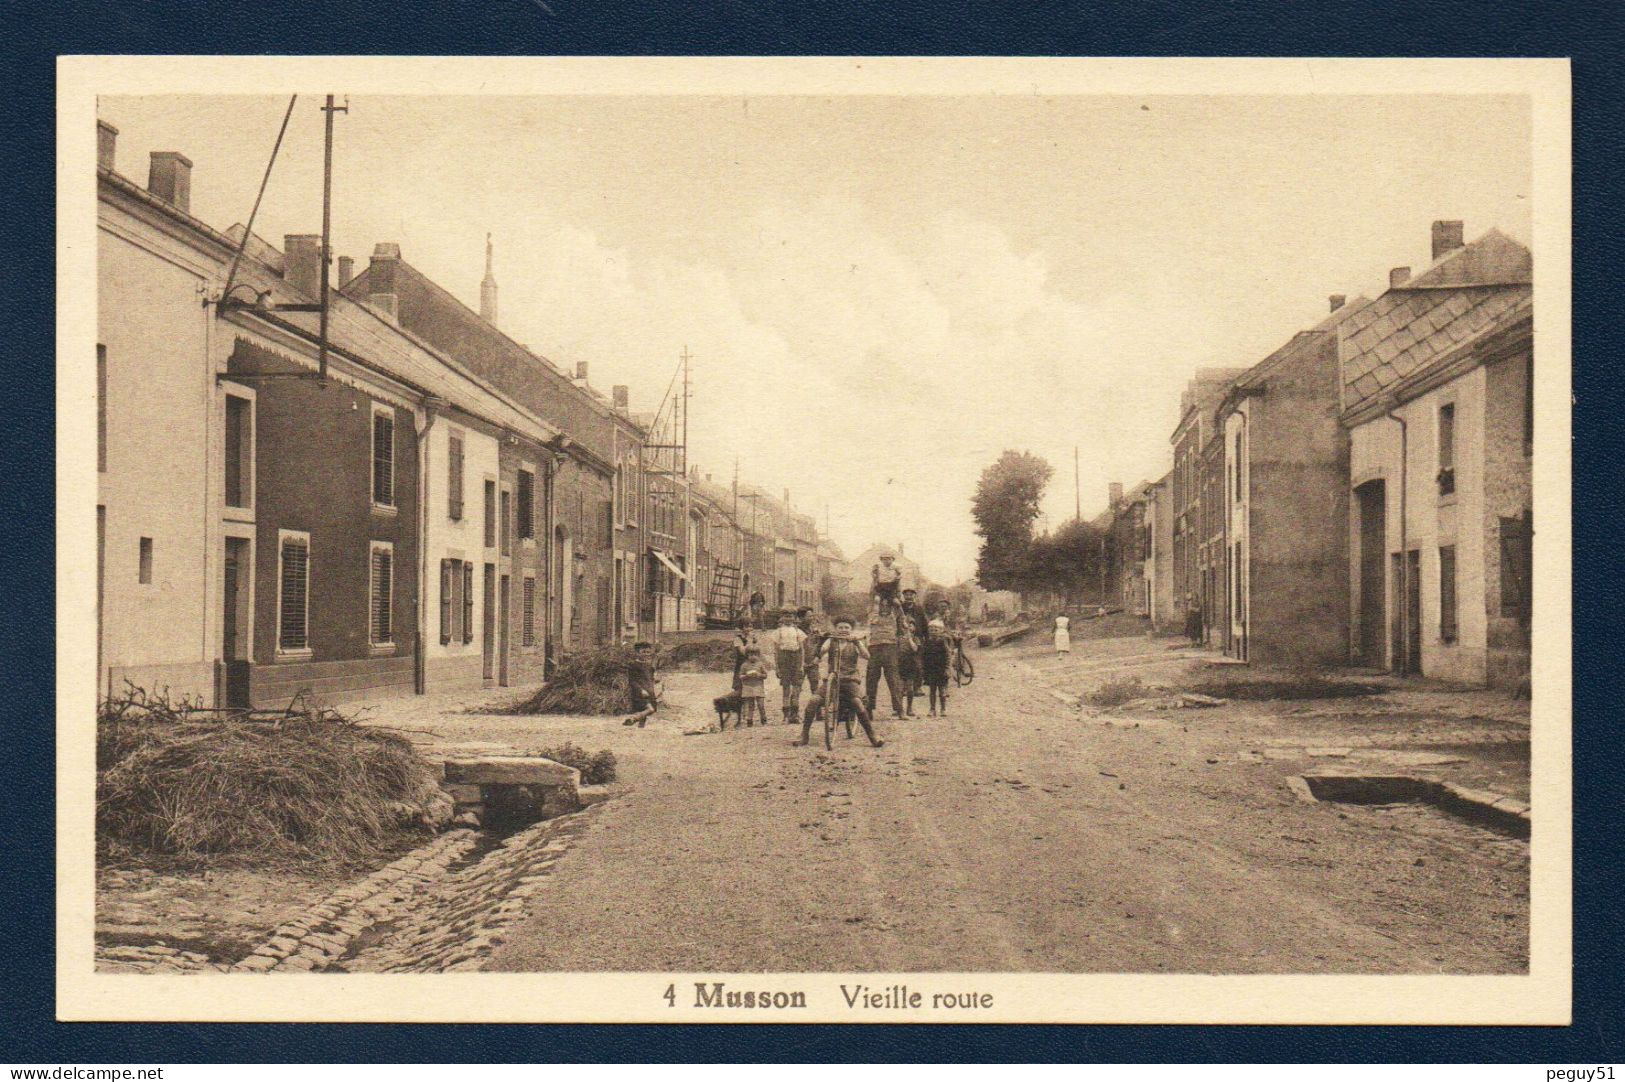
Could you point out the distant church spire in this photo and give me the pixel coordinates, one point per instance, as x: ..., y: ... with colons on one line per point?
x: 488, y: 287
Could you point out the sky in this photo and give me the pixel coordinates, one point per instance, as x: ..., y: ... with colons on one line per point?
x: 881, y: 294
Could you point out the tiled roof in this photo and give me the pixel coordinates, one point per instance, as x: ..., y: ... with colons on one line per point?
x: 1418, y: 323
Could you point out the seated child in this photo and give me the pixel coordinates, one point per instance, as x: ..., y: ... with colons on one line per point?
x: 641, y: 686
x: 886, y: 577
x: 838, y: 657
x: 752, y: 688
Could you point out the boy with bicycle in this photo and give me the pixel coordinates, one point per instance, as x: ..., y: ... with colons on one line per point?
x: 841, y: 690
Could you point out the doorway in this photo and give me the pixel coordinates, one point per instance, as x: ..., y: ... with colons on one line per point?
x: 489, y: 624
x: 234, y: 634
x: 1406, y: 623
x: 1372, y: 501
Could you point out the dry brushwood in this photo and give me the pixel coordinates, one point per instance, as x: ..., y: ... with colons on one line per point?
x: 590, y: 682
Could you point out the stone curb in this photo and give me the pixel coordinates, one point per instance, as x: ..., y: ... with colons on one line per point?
x: 323, y: 933
x: 1481, y: 804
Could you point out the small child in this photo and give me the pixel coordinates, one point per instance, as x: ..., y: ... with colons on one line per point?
x: 886, y: 577
x: 641, y: 686
x: 934, y: 658
x: 752, y: 688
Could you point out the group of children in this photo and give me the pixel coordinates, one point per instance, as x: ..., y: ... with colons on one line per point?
x: 907, y: 646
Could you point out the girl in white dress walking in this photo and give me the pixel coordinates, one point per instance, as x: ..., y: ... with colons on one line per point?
x: 1063, y: 636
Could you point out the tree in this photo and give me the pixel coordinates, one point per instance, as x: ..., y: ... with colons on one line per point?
x: 1004, y: 507
x: 1067, y: 561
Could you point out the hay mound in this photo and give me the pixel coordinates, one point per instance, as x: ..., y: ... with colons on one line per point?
x: 306, y: 785
x: 590, y: 682
x: 708, y: 655
x: 596, y: 769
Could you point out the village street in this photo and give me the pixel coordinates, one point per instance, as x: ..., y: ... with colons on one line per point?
x: 1019, y: 834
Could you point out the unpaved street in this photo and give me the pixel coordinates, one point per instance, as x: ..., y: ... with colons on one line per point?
x: 1017, y: 834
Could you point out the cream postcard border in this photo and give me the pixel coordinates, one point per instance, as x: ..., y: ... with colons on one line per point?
x: 1543, y: 996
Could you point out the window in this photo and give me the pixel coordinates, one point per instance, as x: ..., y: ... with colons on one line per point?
x: 609, y: 524
x: 101, y: 408
x: 383, y: 456
x: 506, y: 523
x: 447, y: 604
x: 1238, y: 467
x: 619, y: 497
x: 380, y: 607
x: 239, y: 451
x: 454, y: 478
x: 490, y: 514
x: 525, y: 504
x: 1447, y: 593
x: 468, y: 601
x: 293, y: 592
x: 143, y: 573
x: 1517, y: 561
x: 1447, y: 449
x: 527, y: 633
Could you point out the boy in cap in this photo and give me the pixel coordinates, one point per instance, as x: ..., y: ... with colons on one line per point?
x: 788, y: 640
x: 886, y: 577
x: 839, y: 657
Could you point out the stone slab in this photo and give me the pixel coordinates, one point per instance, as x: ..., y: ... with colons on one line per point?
x: 511, y: 770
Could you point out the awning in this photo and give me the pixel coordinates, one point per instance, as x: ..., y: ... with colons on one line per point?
x: 671, y: 565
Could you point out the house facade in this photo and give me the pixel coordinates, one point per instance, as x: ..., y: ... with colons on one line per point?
x: 1160, y: 564
x: 1190, y: 603
x: 1285, y: 459
x: 1437, y: 396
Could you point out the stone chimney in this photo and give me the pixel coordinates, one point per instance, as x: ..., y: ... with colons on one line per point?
x: 488, y: 288
x: 302, y: 262
x: 346, y: 270
x: 170, y: 178
x: 1446, y: 237
x: 581, y: 371
x: 106, y: 144
x: 386, y: 257
x: 1398, y: 276
x: 621, y: 395
x: 1114, y: 492
x: 1337, y: 300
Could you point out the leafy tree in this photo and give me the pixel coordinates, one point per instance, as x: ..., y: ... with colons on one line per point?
x: 1067, y: 561
x: 1004, y: 507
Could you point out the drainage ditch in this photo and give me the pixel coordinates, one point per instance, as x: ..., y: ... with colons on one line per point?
x: 1490, y: 810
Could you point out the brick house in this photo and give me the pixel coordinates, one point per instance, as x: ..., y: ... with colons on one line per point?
x: 1285, y: 504
x: 1190, y: 604
x: 1437, y: 395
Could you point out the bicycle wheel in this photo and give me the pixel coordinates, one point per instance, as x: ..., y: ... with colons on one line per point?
x: 964, y: 671
x: 830, y: 710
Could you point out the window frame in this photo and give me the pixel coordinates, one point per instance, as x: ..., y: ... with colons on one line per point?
x: 490, y: 521
x: 386, y: 644
x: 250, y: 465
x: 446, y: 606
x: 282, y: 538
x: 387, y: 412
x: 524, y: 504
x: 1449, y: 586
x: 1445, y: 477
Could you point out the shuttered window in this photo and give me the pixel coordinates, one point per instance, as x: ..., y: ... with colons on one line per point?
x: 1447, y: 449
x: 525, y: 504
x: 506, y: 524
x: 101, y: 408
x: 293, y: 603
x: 445, y: 600
x: 381, y: 630
x: 454, y: 478
x: 1517, y: 562
x: 468, y: 601
x: 383, y: 457
x: 528, y: 632
x: 1447, y: 593
x: 490, y: 514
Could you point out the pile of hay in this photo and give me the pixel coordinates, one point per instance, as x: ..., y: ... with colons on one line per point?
x: 589, y: 682
x: 308, y: 785
x: 707, y: 655
x: 596, y: 769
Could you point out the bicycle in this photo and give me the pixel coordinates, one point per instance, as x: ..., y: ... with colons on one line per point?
x: 964, y: 671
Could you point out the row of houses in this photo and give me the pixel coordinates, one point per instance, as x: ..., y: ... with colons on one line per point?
x: 379, y: 494
x: 1362, y: 495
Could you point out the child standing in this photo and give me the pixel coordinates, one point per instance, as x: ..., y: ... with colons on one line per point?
x: 752, y: 688
x: 641, y: 687
x: 934, y: 658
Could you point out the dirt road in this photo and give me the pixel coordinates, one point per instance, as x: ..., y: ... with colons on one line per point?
x: 1013, y: 835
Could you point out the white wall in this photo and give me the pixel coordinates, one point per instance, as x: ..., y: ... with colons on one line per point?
x: 463, y: 539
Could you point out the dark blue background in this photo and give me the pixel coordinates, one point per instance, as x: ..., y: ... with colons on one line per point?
x: 33, y: 33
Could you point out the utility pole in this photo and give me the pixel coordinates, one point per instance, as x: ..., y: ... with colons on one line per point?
x: 327, y: 228
x: 1077, y: 487
x: 685, y: 409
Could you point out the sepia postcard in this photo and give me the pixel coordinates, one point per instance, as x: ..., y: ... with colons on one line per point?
x: 813, y: 540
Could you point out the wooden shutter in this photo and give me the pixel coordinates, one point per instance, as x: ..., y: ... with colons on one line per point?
x: 490, y: 514
x: 528, y: 632
x: 445, y: 602
x: 524, y: 504
x: 383, y: 459
x: 1447, y: 593
x: 293, y: 621
x: 383, y: 582
x: 454, y: 480
x: 468, y: 601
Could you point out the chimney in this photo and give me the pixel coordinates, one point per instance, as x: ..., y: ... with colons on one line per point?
x: 1337, y: 300
x: 488, y: 288
x: 622, y: 396
x: 346, y: 270
x: 302, y: 262
x: 1446, y: 237
x: 1398, y: 276
x: 581, y: 371
x: 170, y: 178
x: 386, y: 256
x: 106, y: 142
x: 1114, y: 492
